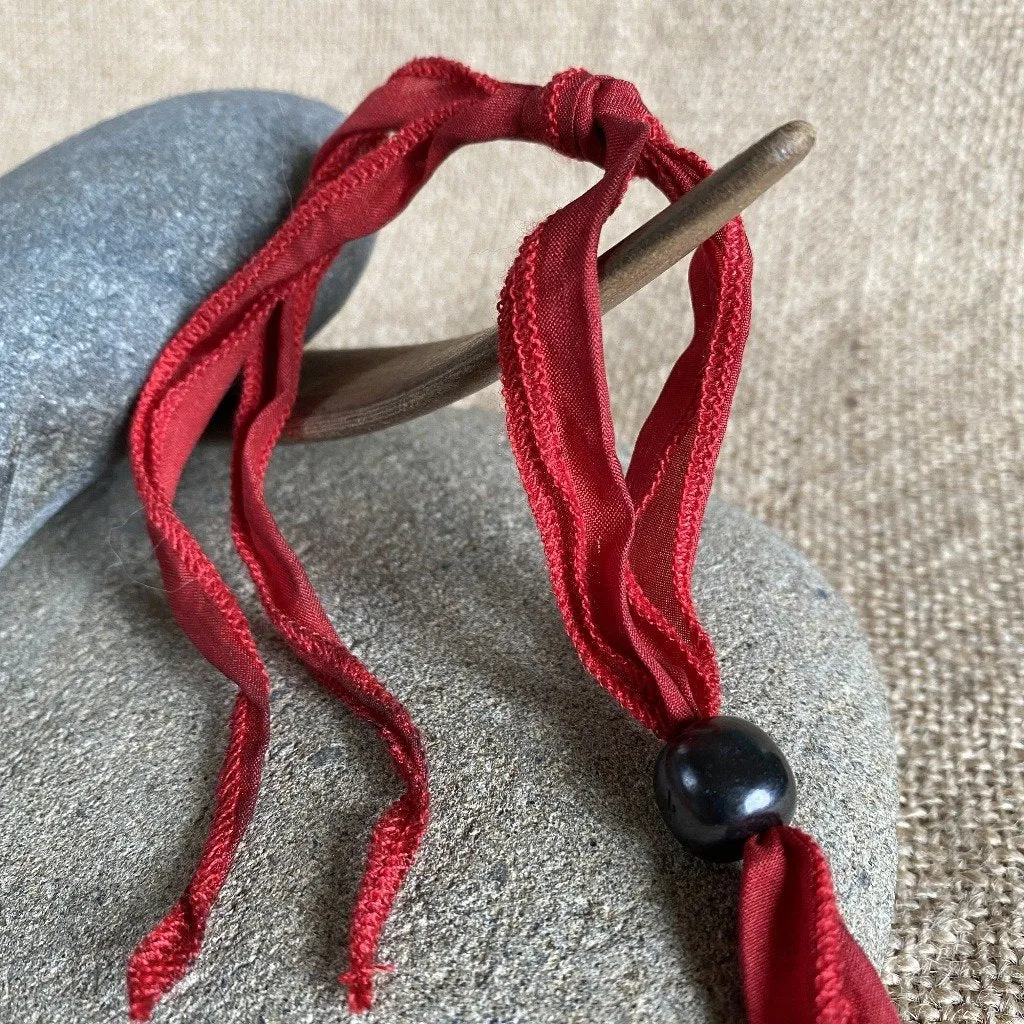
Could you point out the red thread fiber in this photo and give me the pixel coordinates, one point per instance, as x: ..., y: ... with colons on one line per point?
x: 620, y: 548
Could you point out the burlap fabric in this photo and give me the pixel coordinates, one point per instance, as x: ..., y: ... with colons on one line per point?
x: 878, y: 424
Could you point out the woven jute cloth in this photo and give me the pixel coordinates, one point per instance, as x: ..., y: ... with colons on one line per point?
x: 878, y: 425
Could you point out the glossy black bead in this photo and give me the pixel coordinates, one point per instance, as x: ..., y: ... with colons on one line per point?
x: 721, y: 781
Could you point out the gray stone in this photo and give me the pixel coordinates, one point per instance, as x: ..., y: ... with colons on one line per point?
x: 548, y: 889
x: 107, y: 242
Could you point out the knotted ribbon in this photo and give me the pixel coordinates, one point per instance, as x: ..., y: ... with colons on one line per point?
x: 620, y: 547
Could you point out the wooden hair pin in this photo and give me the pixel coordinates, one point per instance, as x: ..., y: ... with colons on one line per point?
x: 344, y: 392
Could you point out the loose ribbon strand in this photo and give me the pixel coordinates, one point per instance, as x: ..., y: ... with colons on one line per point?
x: 620, y: 547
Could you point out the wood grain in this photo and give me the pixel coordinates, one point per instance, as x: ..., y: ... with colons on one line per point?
x: 354, y: 391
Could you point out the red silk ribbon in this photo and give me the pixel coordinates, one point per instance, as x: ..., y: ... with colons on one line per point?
x: 620, y: 547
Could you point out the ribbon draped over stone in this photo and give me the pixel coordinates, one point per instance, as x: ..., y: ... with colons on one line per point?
x: 620, y: 547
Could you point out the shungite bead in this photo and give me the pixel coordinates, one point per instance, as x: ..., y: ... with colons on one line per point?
x: 721, y: 781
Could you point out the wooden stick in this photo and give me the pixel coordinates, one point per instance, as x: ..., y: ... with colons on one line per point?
x: 345, y: 392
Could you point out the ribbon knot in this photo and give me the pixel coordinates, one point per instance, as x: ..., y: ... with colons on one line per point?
x: 566, y: 113
x: 620, y: 548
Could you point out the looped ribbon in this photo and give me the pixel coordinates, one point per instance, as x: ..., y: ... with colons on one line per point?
x: 620, y: 547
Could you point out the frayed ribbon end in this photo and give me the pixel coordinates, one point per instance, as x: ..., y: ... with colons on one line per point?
x: 161, y: 960
x: 143, y: 994
x: 359, y: 982
x: 140, y: 1007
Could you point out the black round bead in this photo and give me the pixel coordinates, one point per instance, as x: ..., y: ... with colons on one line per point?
x: 721, y: 781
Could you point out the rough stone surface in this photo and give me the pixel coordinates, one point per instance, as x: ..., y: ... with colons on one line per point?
x: 548, y: 890
x: 107, y: 243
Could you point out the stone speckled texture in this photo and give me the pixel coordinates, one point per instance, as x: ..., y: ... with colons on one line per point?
x: 548, y: 888
x: 107, y: 242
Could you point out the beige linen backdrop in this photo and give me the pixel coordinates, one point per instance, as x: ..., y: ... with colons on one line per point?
x: 878, y: 423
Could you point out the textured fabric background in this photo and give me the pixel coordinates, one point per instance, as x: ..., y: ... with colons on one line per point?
x: 878, y: 424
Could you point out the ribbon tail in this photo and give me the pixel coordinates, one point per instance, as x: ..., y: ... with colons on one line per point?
x: 799, y: 962
x: 396, y: 838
